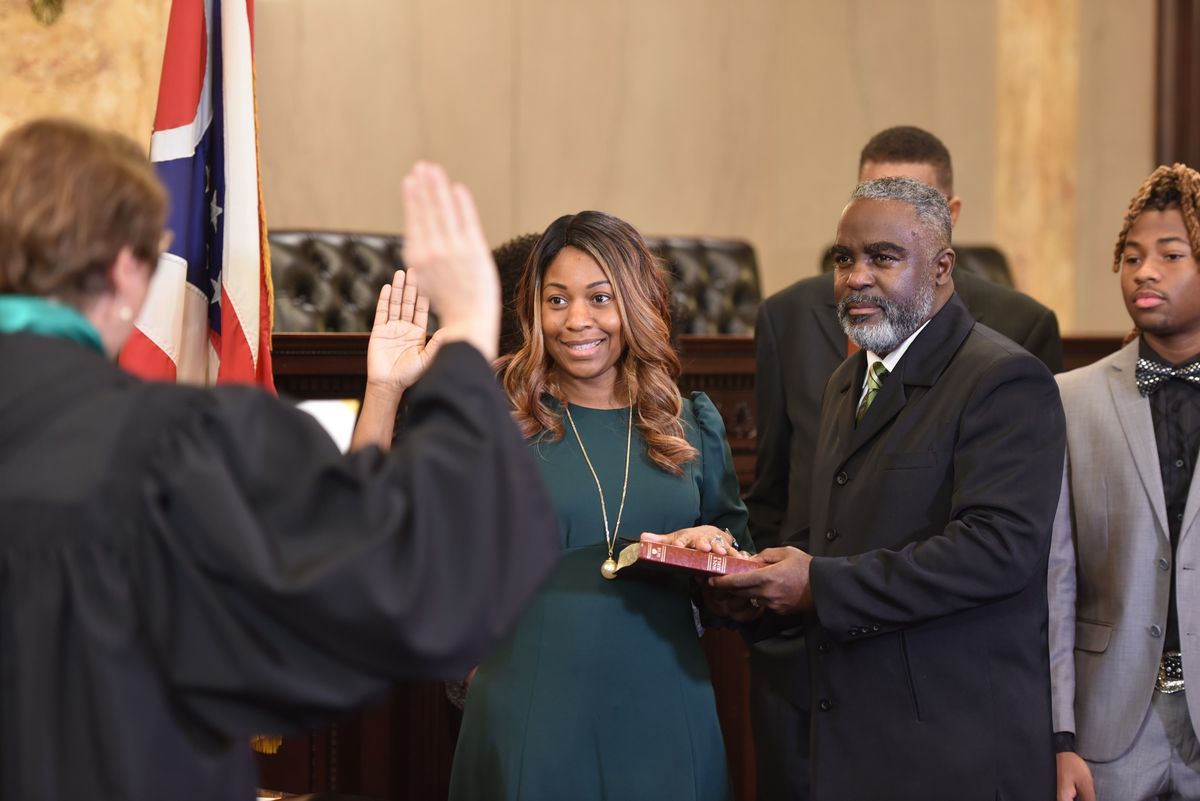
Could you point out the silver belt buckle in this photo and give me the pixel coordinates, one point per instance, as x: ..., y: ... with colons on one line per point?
x: 1170, y: 673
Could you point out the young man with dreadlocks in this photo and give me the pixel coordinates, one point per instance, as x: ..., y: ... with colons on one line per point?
x: 1124, y: 575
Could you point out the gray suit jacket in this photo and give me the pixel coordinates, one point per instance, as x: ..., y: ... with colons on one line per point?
x: 1110, y: 563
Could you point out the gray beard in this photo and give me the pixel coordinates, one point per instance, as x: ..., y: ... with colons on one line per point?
x: 899, y: 320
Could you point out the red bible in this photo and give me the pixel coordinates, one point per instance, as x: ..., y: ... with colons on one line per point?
x: 652, y: 555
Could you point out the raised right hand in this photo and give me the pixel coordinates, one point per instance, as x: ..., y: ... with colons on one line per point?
x: 397, y: 353
x: 446, y: 253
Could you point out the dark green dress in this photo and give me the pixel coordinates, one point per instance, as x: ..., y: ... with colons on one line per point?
x: 602, y: 690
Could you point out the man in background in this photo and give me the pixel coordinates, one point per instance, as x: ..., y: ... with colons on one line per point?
x: 799, y: 345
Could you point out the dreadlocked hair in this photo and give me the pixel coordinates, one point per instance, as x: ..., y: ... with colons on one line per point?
x: 1174, y: 187
x: 648, y: 368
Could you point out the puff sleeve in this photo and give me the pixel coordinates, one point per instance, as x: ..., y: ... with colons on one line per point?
x: 720, y: 501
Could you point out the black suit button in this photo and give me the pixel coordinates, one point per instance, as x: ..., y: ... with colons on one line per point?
x: 1164, y: 565
x: 854, y: 632
x: 825, y: 704
x: 831, y: 535
x: 841, y: 478
x: 1155, y: 630
x: 823, y: 648
x: 875, y: 627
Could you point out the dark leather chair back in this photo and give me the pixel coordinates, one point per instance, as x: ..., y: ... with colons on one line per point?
x: 329, y: 281
x: 714, y: 284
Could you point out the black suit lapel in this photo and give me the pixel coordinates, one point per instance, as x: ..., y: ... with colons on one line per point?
x: 925, y: 360
x: 843, y: 428
x: 887, y: 405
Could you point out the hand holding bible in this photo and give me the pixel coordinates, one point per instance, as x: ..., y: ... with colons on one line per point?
x: 782, y: 586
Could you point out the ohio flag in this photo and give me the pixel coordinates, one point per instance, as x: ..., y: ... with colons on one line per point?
x: 207, y: 318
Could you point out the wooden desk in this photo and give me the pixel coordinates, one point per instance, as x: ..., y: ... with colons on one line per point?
x: 402, y: 749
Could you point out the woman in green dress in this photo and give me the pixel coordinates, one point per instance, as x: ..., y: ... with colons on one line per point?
x: 602, y: 690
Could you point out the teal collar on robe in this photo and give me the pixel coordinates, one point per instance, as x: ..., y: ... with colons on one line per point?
x: 34, y: 315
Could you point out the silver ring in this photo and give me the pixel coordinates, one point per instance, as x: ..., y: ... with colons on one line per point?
x: 717, y: 541
x: 754, y: 602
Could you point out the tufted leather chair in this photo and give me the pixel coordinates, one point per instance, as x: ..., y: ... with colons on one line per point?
x: 329, y: 281
x: 714, y: 284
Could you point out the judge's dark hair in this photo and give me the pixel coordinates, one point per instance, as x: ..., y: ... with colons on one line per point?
x: 510, y: 262
x: 71, y: 197
x: 907, y: 144
x: 647, y: 369
x: 1174, y: 187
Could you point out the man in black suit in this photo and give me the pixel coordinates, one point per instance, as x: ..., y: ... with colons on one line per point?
x: 937, y: 465
x: 800, y: 343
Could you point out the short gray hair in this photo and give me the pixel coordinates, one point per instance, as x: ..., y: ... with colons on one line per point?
x: 929, y: 204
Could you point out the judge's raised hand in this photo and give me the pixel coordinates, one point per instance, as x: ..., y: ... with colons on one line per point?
x: 1074, y: 778
x: 397, y: 353
x: 446, y: 254
x: 782, y: 586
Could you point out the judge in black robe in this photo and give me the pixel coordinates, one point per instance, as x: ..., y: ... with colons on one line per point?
x: 183, y: 568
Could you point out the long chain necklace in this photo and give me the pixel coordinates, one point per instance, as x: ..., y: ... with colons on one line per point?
x: 609, y: 568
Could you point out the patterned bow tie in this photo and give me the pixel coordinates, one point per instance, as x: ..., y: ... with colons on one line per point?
x: 1151, y: 375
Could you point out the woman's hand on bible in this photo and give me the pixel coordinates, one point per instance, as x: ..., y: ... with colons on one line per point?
x: 700, y: 538
x: 398, y: 353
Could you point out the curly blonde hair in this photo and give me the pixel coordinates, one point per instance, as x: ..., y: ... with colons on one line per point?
x: 1174, y: 187
x: 647, y: 369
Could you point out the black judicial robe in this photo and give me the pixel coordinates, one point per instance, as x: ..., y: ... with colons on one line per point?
x: 183, y: 568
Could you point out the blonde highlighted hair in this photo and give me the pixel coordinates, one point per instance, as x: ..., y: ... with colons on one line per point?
x: 647, y: 369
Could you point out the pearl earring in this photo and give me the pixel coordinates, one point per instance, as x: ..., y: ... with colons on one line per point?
x: 125, y: 314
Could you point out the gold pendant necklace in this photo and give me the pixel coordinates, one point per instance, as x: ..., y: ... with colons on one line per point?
x: 609, y: 568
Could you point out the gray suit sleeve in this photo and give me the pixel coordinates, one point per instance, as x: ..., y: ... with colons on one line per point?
x: 1061, y: 587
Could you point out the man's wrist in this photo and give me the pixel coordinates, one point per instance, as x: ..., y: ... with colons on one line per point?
x: 1064, y: 741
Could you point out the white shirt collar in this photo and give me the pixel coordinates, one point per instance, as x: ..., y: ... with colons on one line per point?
x: 892, y: 359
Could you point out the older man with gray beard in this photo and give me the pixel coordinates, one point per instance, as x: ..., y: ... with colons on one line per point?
x: 935, y: 484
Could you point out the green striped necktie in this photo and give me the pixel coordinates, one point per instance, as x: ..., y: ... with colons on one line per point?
x: 875, y: 378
